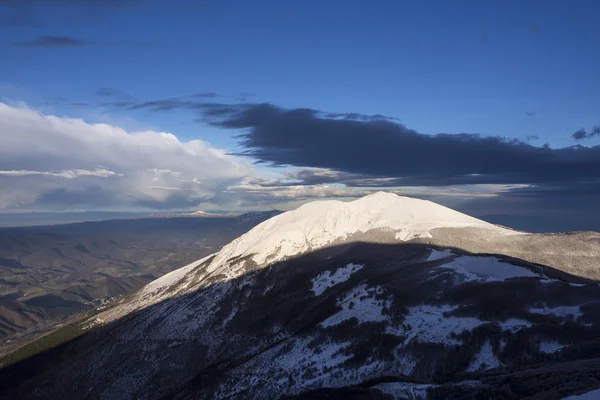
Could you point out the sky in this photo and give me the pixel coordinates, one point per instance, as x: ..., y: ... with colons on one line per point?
x: 490, y: 107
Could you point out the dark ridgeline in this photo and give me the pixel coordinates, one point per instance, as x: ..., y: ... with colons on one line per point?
x: 213, y: 339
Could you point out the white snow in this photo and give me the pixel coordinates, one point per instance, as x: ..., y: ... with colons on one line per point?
x: 551, y: 346
x: 474, y: 268
x: 439, y: 254
x: 324, y: 281
x: 307, y: 228
x: 301, y: 356
x: 514, y: 324
x: 562, y: 311
x: 368, y: 309
x: 405, y: 390
x: 593, y: 395
x: 427, y: 324
x: 485, y: 359
x: 321, y: 223
x: 156, y: 291
x: 212, y: 215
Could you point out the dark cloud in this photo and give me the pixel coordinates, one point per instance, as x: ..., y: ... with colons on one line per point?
x: 359, y: 117
x: 178, y: 103
x: 380, y: 148
x: 66, y: 41
x: 377, y: 151
x: 110, y: 92
x: 51, y: 42
x: 530, y: 113
x: 583, y: 134
x: 533, y: 137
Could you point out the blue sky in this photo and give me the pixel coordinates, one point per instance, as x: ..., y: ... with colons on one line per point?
x: 526, y: 70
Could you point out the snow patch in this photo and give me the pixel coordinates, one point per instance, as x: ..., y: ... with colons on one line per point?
x: 551, y: 346
x: 593, y: 395
x: 514, y: 324
x: 427, y: 323
x: 488, y: 269
x: 360, y: 303
x: 562, y: 311
x: 439, y: 255
x: 406, y: 390
x: 324, y: 281
x: 485, y: 359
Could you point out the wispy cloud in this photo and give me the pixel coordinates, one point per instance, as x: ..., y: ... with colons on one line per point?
x: 111, y: 92
x: 51, y: 42
x: 67, y: 174
x: 67, y: 41
x: 583, y: 134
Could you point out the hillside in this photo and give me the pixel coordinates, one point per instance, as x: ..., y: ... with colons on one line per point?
x: 365, y: 299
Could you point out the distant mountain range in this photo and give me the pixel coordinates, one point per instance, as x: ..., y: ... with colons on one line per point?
x: 385, y: 297
x: 194, y: 214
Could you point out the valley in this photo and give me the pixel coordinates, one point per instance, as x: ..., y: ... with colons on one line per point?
x: 50, y: 274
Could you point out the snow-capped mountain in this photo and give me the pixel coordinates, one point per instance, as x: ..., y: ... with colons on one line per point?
x: 195, y: 214
x: 381, y: 296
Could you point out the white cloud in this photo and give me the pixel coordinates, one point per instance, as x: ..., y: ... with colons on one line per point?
x: 67, y: 174
x: 50, y: 162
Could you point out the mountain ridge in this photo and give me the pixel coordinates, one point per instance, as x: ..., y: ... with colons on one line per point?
x: 441, y: 309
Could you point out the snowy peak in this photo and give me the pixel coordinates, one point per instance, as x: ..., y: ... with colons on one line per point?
x: 385, y: 216
x: 321, y: 223
x: 205, y: 214
x: 195, y: 214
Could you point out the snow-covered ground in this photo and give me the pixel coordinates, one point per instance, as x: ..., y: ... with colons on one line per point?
x: 485, y: 359
x: 426, y: 323
x: 320, y: 223
x: 360, y: 303
x: 474, y: 268
x: 405, y: 390
x: 324, y: 281
x: 562, y: 311
x: 593, y: 395
x: 550, y: 346
x: 308, y: 228
x: 439, y: 254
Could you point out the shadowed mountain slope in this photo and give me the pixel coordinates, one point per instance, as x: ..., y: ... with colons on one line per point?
x: 340, y: 304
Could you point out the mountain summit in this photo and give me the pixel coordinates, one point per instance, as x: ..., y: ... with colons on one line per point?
x: 382, y: 297
x: 381, y: 217
x: 321, y: 223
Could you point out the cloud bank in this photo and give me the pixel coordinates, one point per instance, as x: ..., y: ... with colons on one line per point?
x: 55, y: 163
x: 375, y: 150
